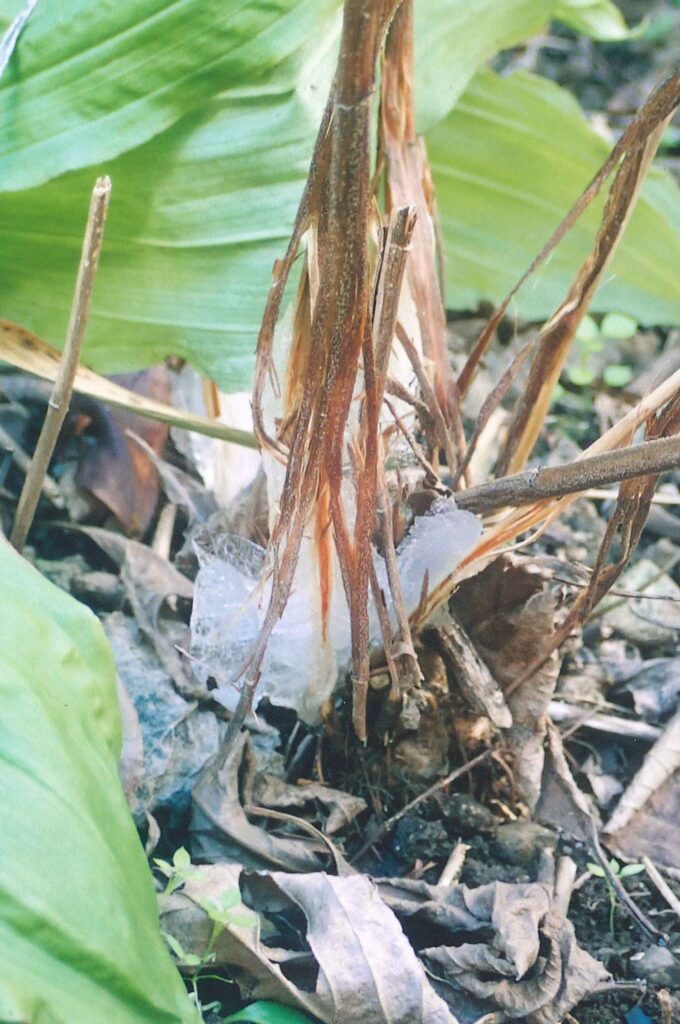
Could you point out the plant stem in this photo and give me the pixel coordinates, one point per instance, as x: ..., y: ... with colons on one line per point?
x: 644, y: 459
x: 60, y: 398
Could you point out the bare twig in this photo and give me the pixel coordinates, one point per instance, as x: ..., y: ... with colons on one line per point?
x: 435, y: 788
x: 23, y: 461
x: 554, y: 481
x: 662, y: 885
x: 578, y: 718
x: 60, y: 398
x: 454, y: 865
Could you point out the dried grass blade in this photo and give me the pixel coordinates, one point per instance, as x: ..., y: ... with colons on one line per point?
x: 658, y: 107
x: 26, y: 351
x: 555, y: 339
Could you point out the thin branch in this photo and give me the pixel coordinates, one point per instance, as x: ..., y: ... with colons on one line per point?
x: 60, y: 398
x: 435, y: 788
x: 650, y: 457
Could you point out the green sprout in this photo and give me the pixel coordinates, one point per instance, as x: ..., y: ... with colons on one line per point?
x: 620, y: 872
x: 590, y: 339
x: 177, y: 873
x: 226, y: 911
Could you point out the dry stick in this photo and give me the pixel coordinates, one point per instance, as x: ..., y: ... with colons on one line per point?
x: 388, y: 825
x: 60, y: 398
x: 339, y: 176
x: 408, y: 181
x: 662, y: 885
x: 22, y: 460
x: 650, y: 457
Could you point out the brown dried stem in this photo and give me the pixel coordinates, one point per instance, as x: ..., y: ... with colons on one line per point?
x: 58, y: 404
x: 554, y: 481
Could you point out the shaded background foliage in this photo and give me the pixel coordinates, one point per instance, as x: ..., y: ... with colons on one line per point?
x: 204, y: 115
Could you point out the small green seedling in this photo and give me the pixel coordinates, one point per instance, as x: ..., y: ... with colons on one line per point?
x: 177, y: 873
x: 619, y: 871
x: 590, y: 339
x: 227, y: 911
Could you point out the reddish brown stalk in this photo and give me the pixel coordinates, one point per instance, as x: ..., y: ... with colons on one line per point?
x: 409, y: 183
x: 336, y: 205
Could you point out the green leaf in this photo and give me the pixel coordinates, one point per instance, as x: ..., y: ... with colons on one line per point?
x: 581, y: 376
x: 631, y: 869
x: 455, y: 37
x: 597, y: 870
x: 181, y: 859
x: 617, y: 376
x: 265, y: 1012
x: 587, y: 332
x: 508, y: 163
x: 78, y: 919
x: 599, y: 19
x: 88, y: 82
x: 208, y: 179
x: 618, y: 326
x: 197, y: 218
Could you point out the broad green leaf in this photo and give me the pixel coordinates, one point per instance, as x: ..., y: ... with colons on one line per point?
x: 508, y: 163
x: 264, y: 1012
x: 197, y: 218
x: 89, y: 81
x: 455, y: 37
x: 599, y: 19
x: 78, y: 920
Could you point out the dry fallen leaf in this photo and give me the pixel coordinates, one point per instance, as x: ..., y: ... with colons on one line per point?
x: 332, y: 946
x: 646, y: 819
x: 115, y: 469
x: 366, y: 969
x: 509, y: 611
x: 220, y: 828
x: 509, y: 948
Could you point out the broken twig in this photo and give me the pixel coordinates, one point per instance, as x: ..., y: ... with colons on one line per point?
x: 60, y: 398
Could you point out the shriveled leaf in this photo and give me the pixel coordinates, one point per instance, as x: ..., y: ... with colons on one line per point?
x: 78, y: 921
x: 115, y: 469
x: 366, y: 968
x: 510, y: 612
x: 342, y: 808
x: 505, y: 947
x: 221, y: 830
x: 513, y: 156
